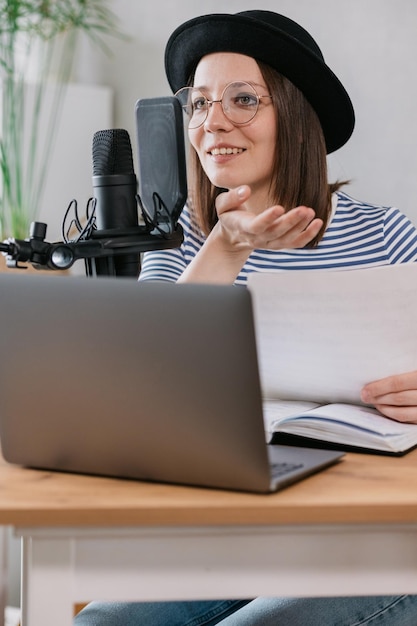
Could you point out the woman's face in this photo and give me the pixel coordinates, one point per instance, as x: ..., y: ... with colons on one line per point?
x: 250, y: 147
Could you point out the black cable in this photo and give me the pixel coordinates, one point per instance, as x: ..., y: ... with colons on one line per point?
x: 84, y: 232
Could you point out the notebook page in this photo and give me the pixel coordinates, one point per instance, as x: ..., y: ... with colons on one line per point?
x: 322, y: 335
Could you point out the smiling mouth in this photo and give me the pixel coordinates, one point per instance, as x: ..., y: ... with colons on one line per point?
x: 217, y: 151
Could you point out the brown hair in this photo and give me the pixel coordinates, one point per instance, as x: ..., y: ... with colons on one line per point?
x: 301, y: 164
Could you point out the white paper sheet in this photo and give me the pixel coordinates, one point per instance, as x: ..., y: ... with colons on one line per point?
x: 322, y: 335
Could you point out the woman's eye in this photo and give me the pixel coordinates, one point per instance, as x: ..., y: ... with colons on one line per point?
x: 245, y: 100
x: 199, y: 103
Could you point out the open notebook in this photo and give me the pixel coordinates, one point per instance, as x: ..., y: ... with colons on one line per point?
x: 150, y: 381
x: 321, y: 336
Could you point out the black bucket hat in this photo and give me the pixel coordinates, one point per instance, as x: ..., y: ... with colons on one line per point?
x: 272, y: 39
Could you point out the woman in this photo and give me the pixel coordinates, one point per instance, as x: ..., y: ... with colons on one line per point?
x: 264, y: 109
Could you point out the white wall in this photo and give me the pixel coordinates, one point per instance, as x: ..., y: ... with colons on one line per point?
x: 70, y: 168
x: 370, y: 44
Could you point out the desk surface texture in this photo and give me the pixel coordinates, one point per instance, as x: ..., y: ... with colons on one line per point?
x: 359, y: 489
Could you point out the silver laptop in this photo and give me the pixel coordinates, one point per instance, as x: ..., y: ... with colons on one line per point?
x: 149, y: 381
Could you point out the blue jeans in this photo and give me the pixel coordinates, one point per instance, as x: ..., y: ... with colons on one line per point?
x: 357, y: 611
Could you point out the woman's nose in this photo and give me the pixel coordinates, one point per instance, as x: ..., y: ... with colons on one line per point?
x: 216, y: 118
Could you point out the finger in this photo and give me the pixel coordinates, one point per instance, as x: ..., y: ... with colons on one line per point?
x: 391, y: 384
x: 305, y: 237
x: 306, y: 225
x: 232, y: 199
x: 278, y: 223
x: 404, y: 398
x: 277, y: 239
x: 251, y: 227
x: 295, y: 235
x: 399, y: 413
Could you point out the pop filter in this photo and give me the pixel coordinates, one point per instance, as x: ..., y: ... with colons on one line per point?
x: 162, y: 164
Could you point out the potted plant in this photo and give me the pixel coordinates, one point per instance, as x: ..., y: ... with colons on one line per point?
x: 38, y: 40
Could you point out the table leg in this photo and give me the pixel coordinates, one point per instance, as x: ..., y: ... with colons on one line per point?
x: 46, y: 582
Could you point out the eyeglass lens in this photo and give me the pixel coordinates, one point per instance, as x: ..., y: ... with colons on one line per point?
x: 239, y: 103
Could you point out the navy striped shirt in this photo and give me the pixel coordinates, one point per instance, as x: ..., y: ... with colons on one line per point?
x: 357, y: 235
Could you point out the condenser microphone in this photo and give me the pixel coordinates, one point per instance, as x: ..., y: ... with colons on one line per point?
x: 110, y: 240
x: 115, y: 194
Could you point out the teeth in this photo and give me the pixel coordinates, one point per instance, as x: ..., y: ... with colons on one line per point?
x: 217, y: 151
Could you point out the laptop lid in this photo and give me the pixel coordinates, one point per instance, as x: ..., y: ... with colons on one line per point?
x: 149, y: 381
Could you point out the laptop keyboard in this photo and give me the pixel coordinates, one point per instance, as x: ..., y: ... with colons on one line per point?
x: 279, y: 469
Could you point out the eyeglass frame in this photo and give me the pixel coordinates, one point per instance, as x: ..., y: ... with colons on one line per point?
x: 220, y: 101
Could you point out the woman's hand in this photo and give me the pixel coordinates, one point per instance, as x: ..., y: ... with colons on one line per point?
x: 240, y: 230
x: 271, y: 229
x: 394, y: 396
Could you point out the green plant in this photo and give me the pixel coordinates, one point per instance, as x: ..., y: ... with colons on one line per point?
x: 48, y: 31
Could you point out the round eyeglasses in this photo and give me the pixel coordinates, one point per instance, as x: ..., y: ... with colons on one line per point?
x: 239, y: 101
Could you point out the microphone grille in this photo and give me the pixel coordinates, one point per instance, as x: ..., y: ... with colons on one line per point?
x: 112, y: 152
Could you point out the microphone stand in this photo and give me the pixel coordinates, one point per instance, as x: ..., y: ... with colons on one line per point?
x: 110, y: 242
x: 100, y: 245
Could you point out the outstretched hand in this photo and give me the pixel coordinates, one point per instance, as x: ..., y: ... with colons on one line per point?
x: 394, y: 396
x: 271, y: 229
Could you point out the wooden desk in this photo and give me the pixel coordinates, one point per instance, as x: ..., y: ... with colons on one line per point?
x: 351, y: 529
